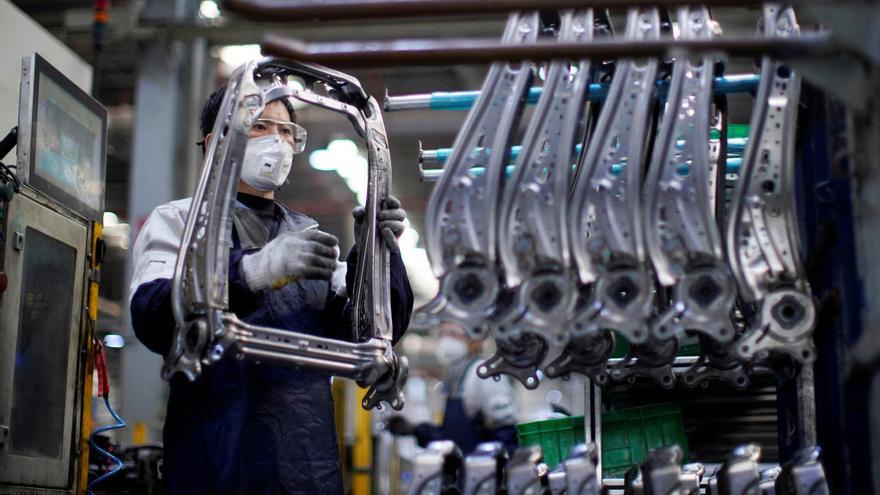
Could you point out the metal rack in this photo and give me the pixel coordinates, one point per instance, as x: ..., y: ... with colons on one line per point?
x: 836, y: 186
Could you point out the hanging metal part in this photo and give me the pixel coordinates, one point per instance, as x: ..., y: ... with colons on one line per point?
x: 526, y: 471
x: 633, y: 484
x: 717, y: 362
x: 605, y: 221
x: 803, y: 475
x: 435, y: 470
x: 739, y: 474
x: 516, y: 356
x: 762, y: 235
x: 532, y: 231
x: 768, y: 480
x: 556, y: 481
x: 586, y: 355
x: 661, y: 472
x: 484, y: 469
x: 691, y: 477
x: 652, y: 359
x: 205, y: 329
x: 461, y: 215
x: 580, y: 470
x: 681, y: 233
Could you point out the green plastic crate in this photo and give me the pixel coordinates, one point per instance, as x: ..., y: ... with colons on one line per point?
x: 555, y: 436
x: 628, y: 435
x: 690, y: 346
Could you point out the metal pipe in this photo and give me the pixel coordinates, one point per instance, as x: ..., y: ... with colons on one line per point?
x: 327, y: 10
x: 464, y: 51
x: 735, y: 147
x: 434, y: 174
x: 464, y: 100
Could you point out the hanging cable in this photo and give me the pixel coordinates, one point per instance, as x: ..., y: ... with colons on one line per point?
x: 104, y: 391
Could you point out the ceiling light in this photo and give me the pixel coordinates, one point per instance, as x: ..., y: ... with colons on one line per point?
x: 114, y: 341
x: 208, y: 9
x: 232, y: 56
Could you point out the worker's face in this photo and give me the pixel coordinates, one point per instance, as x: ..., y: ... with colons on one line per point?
x: 273, y: 140
x: 276, y: 120
x: 452, y: 345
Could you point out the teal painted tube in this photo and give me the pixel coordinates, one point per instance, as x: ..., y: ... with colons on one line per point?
x: 464, y: 100
x: 433, y: 175
x: 735, y: 146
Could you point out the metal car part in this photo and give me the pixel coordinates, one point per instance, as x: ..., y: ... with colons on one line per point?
x: 768, y: 480
x: 525, y: 470
x: 605, y: 216
x: 484, y: 469
x: 633, y: 483
x: 556, y: 481
x: 691, y: 477
x: 460, y: 222
x: 661, y: 472
x: 435, y: 470
x: 205, y: 329
x: 681, y: 233
x: 717, y: 362
x: 532, y: 230
x: 762, y: 233
x: 584, y: 354
x: 739, y: 474
x: 581, y: 477
x: 653, y: 359
x: 803, y: 475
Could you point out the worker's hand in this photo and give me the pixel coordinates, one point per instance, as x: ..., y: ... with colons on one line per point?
x: 292, y: 256
x: 398, y: 425
x: 391, y: 220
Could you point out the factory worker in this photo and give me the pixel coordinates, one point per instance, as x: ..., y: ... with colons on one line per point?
x: 477, y: 410
x: 243, y: 427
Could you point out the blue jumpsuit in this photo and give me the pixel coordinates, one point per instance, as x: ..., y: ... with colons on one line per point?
x: 247, y: 428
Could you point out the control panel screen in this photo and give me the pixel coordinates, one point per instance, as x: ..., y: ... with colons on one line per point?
x: 67, y: 133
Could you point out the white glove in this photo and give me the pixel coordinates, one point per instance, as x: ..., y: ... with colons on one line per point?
x: 292, y: 256
x: 391, y: 218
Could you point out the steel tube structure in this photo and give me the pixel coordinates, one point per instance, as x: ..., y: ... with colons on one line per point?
x: 478, y: 51
x: 464, y: 100
x: 337, y: 10
x: 434, y: 174
x: 735, y: 147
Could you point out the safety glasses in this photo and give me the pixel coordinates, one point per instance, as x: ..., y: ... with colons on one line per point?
x: 294, y: 133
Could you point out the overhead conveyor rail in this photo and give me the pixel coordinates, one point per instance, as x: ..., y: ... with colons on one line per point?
x: 329, y: 10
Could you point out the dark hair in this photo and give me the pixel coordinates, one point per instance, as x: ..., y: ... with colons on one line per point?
x: 210, y: 110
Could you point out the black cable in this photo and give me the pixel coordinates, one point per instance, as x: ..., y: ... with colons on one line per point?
x: 8, y: 142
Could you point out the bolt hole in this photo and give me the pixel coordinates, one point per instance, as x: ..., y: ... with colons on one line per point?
x: 783, y: 71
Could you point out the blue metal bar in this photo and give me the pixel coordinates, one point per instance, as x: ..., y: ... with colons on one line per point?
x: 735, y: 147
x: 464, y: 100
x: 433, y: 175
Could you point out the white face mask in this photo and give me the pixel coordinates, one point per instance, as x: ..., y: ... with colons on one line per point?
x: 450, y: 349
x: 267, y: 162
